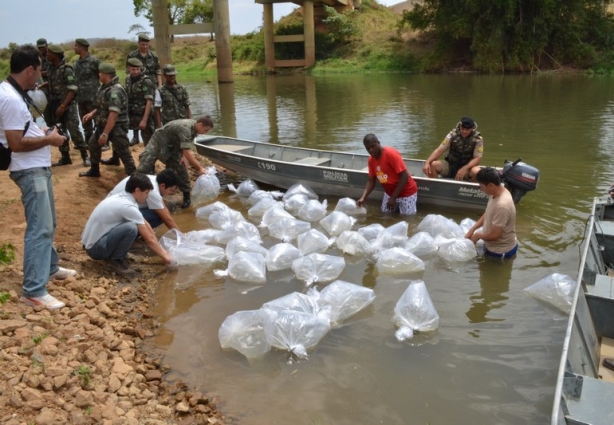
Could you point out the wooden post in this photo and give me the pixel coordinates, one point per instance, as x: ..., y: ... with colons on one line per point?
x: 160, y: 26
x: 221, y: 24
x: 269, y: 32
x: 309, y: 30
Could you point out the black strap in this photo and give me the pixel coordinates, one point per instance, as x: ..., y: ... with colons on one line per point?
x: 26, y: 97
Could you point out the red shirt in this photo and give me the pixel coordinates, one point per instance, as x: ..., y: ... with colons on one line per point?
x: 387, y: 169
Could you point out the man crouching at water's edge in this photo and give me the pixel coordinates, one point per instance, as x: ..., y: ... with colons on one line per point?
x: 387, y: 165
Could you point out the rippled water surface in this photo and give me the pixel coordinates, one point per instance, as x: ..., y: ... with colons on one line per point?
x: 495, y: 354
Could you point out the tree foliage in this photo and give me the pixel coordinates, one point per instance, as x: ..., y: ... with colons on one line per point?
x: 179, y: 11
x: 517, y: 34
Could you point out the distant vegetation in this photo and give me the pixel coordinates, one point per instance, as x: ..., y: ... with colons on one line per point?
x: 492, y: 36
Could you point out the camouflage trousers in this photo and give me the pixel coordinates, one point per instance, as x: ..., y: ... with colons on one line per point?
x: 121, y: 146
x: 148, y: 132
x: 88, y: 127
x: 70, y: 125
x: 158, y: 150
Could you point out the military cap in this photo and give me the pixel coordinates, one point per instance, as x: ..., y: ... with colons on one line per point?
x: 41, y: 42
x: 135, y: 62
x: 144, y: 37
x: 169, y: 70
x: 54, y: 48
x: 106, y: 68
x: 467, y: 122
x: 83, y: 42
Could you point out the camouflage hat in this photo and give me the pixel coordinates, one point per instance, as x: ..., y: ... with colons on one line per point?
x: 169, y: 70
x: 144, y: 37
x: 106, y: 68
x: 135, y: 62
x: 41, y: 42
x: 83, y: 42
x: 54, y: 48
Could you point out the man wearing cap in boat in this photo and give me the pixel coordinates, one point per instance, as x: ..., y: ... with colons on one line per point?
x: 172, y: 100
x: 86, y: 73
x: 465, y: 148
x: 387, y: 166
x: 151, y: 65
x: 111, y: 119
x: 63, y: 107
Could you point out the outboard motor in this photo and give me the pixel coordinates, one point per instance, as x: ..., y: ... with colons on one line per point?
x: 519, y: 178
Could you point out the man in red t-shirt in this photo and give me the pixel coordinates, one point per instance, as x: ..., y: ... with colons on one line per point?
x: 386, y: 164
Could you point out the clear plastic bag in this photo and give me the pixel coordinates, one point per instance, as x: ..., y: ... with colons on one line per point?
x: 313, y: 210
x: 245, y: 267
x: 245, y: 189
x: 185, y: 252
x: 295, y: 202
x: 337, y: 222
x: 225, y: 218
x: 259, y: 195
x: 300, y: 189
x: 257, y: 211
x: 371, y: 231
x: 394, y: 236
x: 248, y: 332
x: 314, y: 241
x: 298, y: 332
x: 352, y: 243
x: 241, y: 244
x: 318, y: 268
x: 202, y: 236
x: 273, y: 214
x: 415, y: 312
x: 348, y: 206
x: 341, y: 300
x: 421, y: 244
x: 287, y: 229
x: 436, y: 224
x: 397, y: 262
x: 295, y: 301
x: 466, y: 224
x: 281, y: 256
x: 206, y: 187
x: 240, y: 228
x: 556, y: 290
x: 459, y: 249
x: 203, y: 213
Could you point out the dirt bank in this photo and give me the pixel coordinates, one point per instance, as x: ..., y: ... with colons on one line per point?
x: 84, y: 364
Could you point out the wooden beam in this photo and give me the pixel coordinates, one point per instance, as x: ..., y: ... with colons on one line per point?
x: 223, y: 49
x: 182, y: 29
x: 293, y: 38
x: 290, y: 63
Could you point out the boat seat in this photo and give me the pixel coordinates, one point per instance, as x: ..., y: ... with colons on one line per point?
x: 607, y: 350
x: 591, y: 406
x: 312, y: 160
x: 232, y: 148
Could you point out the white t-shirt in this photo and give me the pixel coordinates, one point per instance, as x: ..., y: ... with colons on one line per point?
x: 112, y: 211
x: 154, y: 199
x: 14, y: 115
x: 157, y: 99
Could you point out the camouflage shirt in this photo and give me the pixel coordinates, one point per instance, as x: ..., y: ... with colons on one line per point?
x: 45, y: 64
x: 86, y: 74
x: 175, y: 99
x: 111, y: 97
x: 61, y: 81
x: 140, y: 90
x: 179, y: 134
x: 151, y: 64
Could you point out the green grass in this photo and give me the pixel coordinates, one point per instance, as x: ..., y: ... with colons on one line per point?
x: 7, y: 253
x: 85, y: 375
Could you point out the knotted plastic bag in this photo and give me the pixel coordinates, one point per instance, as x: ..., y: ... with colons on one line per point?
x: 273, y: 214
x: 281, y: 256
x: 300, y: 189
x: 248, y: 332
x: 314, y: 241
x: 202, y: 236
x: 397, y: 262
x: 203, y: 213
x: 466, y: 224
x: 245, y: 189
x: 394, y: 236
x: 257, y: 211
x: 436, y: 224
x: 313, y: 210
x: 371, y: 231
x: 223, y: 219
x: 295, y: 301
x: 337, y: 222
x: 185, y: 252
x: 239, y: 228
x: 245, y: 267
x: 348, y: 206
x: 298, y: 332
x: 555, y: 289
x: 415, y: 312
x: 206, y: 187
x: 353, y: 243
x: 241, y: 244
x: 341, y: 300
x: 295, y: 202
x: 458, y: 249
x: 318, y: 268
x: 288, y: 229
x: 421, y: 244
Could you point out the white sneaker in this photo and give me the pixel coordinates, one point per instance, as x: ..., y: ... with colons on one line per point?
x: 49, y: 301
x: 62, y: 274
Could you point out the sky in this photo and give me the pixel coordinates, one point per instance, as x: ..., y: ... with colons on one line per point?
x: 25, y: 21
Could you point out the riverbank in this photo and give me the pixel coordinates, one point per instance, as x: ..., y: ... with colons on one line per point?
x: 85, y: 363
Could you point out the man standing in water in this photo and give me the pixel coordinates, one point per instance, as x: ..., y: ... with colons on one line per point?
x: 499, y: 220
x: 387, y: 165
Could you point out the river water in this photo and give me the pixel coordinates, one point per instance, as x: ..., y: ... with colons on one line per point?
x: 494, y: 357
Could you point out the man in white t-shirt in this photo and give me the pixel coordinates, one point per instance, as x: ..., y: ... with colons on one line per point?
x: 154, y: 209
x: 115, y: 223
x: 30, y: 170
x: 499, y: 220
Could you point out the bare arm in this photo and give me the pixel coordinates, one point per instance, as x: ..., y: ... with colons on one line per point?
x: 18, y: 143
x: 148, y: 235
x: 187, y: 154
x: 368, y: 189
x: 426, y: 169
x: 62, y: 108
x: 158, y: 118
x: 148, y: 105
x: 188, y: 111
x: 462, y: 172
x: 104, y: 137
x: 167, y: 219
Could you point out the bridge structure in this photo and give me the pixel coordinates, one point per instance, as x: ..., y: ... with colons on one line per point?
x: 311, y: 10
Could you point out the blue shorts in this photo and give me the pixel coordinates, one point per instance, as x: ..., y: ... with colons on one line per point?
x: 508, y: 254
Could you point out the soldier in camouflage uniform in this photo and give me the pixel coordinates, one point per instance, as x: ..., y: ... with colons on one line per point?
x: 151, y: 66
x: 86, y: 73
x: 111, y: 119
x: 41, y: 45
x: 62, y: 90
x: 174, y: 100
x: 141, y: 92
x: 172, y: 145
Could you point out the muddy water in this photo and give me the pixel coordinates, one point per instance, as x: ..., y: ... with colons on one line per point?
x: 495, y: 354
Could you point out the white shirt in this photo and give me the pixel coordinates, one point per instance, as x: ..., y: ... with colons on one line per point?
x: 157, y: 99
x: 154, y: 199
x: 14, y: 115
x: 112, y: 211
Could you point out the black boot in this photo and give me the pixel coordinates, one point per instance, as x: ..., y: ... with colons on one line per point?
x: 86, y: 160
x: 135, y: 138
x: 114, y: 160
x: 64, y: 160
x: 186, y: 200
x: 94, y: 171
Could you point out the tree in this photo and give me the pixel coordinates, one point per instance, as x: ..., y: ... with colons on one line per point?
x: 516, y: 34
x: 137, y: 29
x: 179, y: 11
